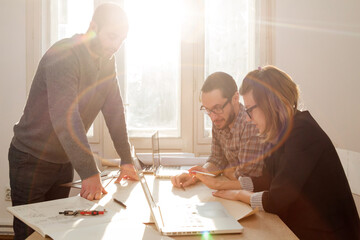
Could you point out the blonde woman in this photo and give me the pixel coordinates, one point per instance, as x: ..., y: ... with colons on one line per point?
x: 303, y: 180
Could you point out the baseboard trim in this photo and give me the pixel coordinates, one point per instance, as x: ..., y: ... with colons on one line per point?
x: 6, y: 230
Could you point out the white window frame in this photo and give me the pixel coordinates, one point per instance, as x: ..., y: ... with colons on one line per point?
x: 192, y: 76
x: 183, y: 143
x: 262, y: 43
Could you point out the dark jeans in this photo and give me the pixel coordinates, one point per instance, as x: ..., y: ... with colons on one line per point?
x: 34, y: 180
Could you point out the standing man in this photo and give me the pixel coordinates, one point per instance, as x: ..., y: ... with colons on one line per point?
x: 75, y: 80
x: 236, y: 148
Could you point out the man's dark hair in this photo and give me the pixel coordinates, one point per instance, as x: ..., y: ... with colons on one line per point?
x: 222, y: 81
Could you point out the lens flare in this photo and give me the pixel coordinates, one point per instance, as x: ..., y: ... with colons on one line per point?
x: 206, y: 236
x: 76, y: 134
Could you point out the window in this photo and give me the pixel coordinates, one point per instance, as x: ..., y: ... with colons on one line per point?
x: 69, y: 17
x: 153, y: 67
x: 228, y: 38
x: 172, y: 46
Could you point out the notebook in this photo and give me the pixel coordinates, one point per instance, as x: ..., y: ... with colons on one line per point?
x: 159, y: 170
x: 190, y: 218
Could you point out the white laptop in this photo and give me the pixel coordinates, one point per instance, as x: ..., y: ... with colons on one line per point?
x: 159, y: 170
x: 190, y: 218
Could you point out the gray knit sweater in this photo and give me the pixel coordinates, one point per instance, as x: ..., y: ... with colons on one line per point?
x: 69, y: 89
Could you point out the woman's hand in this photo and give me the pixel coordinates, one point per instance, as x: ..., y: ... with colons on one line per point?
x: 239, y: 195
x: 214, y: 182
x: 229, y: 173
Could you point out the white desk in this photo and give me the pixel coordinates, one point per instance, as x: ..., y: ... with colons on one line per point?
x: 130, y: 226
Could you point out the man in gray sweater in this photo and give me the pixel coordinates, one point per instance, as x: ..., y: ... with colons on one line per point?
x: 75, y: 80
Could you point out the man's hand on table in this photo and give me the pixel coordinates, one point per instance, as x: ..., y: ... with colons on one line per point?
x: 198, y: 173
x: 127, y: 171
x: 183, y: 180
x: 91, y: 188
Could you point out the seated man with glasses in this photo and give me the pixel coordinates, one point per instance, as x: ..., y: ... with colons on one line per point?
x: 236, y: 148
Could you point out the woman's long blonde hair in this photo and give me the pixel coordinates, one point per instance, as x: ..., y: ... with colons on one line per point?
x: 276, y: 95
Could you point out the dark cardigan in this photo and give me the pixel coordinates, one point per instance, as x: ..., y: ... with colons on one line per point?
x: 305, y: 184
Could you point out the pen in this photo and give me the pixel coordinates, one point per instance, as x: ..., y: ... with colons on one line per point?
x: 204, y: 173
x: 120, y: 202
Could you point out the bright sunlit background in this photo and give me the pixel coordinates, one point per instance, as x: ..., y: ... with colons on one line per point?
x: 150, y: 61
x: 153, y: 64
x: 227, y: 41
x: 70, y: 17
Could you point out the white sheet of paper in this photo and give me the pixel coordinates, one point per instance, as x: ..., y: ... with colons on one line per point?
x: 200, y: 193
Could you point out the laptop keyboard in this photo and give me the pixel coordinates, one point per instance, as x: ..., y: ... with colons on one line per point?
x: 163, y: 168
x: 147, y: 168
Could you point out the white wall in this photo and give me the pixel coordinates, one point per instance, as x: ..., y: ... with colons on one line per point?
x: 318, y: 44
x: 12, y: 85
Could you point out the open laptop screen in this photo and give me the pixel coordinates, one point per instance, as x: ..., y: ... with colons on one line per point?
x: 188, y: 219
x: 155, y: 150
x: 152, y: 204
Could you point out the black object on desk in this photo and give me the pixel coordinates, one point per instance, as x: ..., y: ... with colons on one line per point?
x: 120, y: 202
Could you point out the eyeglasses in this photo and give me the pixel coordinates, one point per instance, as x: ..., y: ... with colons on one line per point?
x: 249, y: 110
x: 215, y: 110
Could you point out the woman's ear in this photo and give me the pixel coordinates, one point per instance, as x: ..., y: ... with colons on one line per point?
x: 235, y: 98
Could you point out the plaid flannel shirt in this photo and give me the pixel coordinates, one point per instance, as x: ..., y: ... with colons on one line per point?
x: 240, y: 147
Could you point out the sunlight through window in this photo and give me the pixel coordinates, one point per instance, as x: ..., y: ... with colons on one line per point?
x: 149, y: 65
x: 153, y: 65
x: 227, y: 37
x: 71, y: 17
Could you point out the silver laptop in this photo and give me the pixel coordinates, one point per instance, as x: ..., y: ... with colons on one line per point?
x: 159, y: 170
x: 190, y: 218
